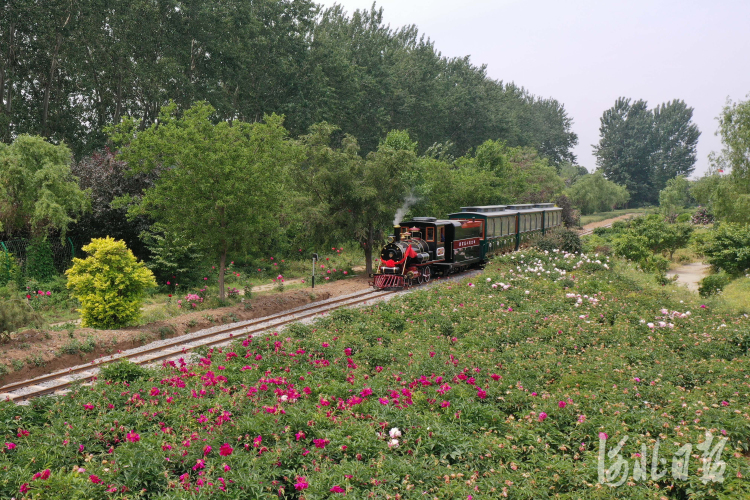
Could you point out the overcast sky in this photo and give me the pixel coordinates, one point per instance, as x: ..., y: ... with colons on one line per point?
x: 586, y: 54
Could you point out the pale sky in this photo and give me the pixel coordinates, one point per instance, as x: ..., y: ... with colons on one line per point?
x: 587, y: 53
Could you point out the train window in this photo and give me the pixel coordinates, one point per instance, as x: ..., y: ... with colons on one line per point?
x: 430, y: 234
x: 442, y: 234
x: 404, y: 230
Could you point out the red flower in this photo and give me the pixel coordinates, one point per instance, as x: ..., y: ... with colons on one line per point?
x: 95, y: 479
x: 24, y: 488
x: 225, y: 450
x: 337, y: 489
x: 28, y: 296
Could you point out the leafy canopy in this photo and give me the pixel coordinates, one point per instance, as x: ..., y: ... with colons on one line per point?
x: 220, y: 185
x: 38, y: 193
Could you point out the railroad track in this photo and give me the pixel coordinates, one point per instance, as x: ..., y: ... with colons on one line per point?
x: 59, y: 382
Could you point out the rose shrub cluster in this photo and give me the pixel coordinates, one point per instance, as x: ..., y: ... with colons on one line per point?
x: 498, y: 389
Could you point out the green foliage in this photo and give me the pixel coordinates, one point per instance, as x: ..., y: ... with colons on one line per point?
x: 110, y: 284
x: 726, y: 187
x: 172, y: 257
x: 642, y: 149
x: 713, y: 284
x: 675, y: 196
x: 40, y: 264
x: 633, y: 247
x: 563, y: 239
x: 16, y: 314
x: 593, y: 193
x: 293, y: 58
x: 727, y: 247
x: 38, y: 193
x: 223, y: 188
x: 123, y: 371
x: 10, y: 271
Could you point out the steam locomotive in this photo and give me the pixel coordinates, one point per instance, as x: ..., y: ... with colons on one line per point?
x: 424, y: 247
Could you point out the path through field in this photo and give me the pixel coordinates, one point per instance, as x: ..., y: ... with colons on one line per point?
x: 690, y: 274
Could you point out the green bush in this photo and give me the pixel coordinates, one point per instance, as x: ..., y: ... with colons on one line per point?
x: 713, y: 284
x: 632, y: 247
x: 727, y: 247
x: 562, y: 239
x: 9, y: 269
x: 684, y: 217
x: 110, y: 284
x: 122, y: 371
x: 15, y: 314
x: 40, y: 265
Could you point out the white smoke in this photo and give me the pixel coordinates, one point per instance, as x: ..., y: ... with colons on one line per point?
x: 408, y: 202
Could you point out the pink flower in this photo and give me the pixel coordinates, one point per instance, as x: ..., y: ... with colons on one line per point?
x: 348, y: 351
x: 49, y: 293
x: 227, y: 468
x: 206, y: 449
x: 41, y: 475
x: 300, y: 435
x: 320, y: 443
x: 88, y: 406
x: 533, y: 393
x: 301, y: 484
x: 561, y: 404
x: 344, y: 273
x: 10, y: 446
x: 581, y: 418
x: 24, y: 488
x: 445, y: 404
x: 338, y: 489
x: 542, y: 416
x: 603, y: 435
x: 724, y: 403
x: 95, y: 479
x: 133, y: 437
x: 225, y: 450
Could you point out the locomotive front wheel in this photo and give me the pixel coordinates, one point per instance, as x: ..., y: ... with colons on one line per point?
x: 427, y: 274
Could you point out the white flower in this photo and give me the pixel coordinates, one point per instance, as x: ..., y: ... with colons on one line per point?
x: 284, y: 397
x: 395, y: 433
x: 527, y: 292
x: 393, y: 443
x: 489, y: 279
x: 650, y: 325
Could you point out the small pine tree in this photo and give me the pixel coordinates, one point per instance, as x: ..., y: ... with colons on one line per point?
x: 110, y: 284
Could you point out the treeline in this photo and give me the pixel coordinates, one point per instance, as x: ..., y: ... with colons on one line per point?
x: 70, y: 68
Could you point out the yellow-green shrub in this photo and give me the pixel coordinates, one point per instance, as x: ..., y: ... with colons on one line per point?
x: 110, y: 284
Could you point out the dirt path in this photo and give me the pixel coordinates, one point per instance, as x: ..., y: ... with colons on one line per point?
x: 593, y: 225
x: 690, y: 274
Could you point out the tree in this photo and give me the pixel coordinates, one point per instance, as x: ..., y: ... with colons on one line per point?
x: 110, y: 284
x: 353, y: 197
x: 642, y: 149
x: 675, y: 196
x: 38, y: 193
x: 593, y: 193
x: 219, y: 186
x: 726, y: 187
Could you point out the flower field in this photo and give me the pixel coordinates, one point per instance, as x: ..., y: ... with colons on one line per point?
x: 518, y: 383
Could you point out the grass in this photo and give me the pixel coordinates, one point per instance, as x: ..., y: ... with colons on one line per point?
x: 735, y: 298
x: 598, y: 217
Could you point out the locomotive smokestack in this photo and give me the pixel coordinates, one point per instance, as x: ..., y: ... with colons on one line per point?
x: 396, y: 232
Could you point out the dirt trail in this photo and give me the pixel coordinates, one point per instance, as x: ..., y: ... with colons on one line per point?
x: 593, y: 225
x: 690, y: 274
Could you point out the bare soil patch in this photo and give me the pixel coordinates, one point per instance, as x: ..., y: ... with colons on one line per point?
x: 45, y: 351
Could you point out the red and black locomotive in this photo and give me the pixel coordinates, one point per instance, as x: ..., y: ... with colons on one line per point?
x: 424, y: 247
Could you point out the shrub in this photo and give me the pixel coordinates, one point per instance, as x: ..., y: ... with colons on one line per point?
x: 122, y: 371
x: 632, y: 247
x: 562, y: 239
x: 110, y: 284
x: 40, y: 264
x: 15, y: 314
x: 727, y: 248
x: 684, y: 217
x: 713, y: 284
x: 703, y: 216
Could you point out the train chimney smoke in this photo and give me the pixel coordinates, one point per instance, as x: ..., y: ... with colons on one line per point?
x: 408, y: 202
